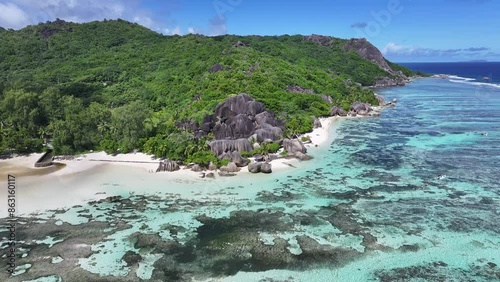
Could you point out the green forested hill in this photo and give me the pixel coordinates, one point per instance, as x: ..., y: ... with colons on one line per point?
x: 116, y: 85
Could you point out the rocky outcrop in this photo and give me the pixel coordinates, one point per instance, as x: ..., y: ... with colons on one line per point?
x: 380, y: 99
x: 238, y: 126
x: 168, y: 165
x: 258, y: 158
x: 371, y: 53
x: 230, y: 168
x: 267, y: 133
x: 216, y: 68
x: 266, y: 117
x: 359, y: 108
x: 298, y: 89
x: 239, y: 44
x: 257, y: 167
x: 238, y: 159
x: 320, y: 39
x: 224, y: 146
x: 212, y: 166
x: 294, y: 145
x: 317, y: 123
x: 338, y: 111
x: 301, y: 156
x: 240, y: 104
x: 254, y: 167
x: 45, y: 160
x: 196, y: 168
x: 51, y: 28
x: 327, y: 99
x: 388, y: 82
x: 266, y: 168
x: 241, y: 117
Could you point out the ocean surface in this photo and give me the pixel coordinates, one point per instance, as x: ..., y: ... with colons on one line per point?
x: 412, y: 195
x: 475, y: 73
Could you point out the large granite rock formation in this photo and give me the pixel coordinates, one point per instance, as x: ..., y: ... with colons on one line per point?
x: 254, y: 167
x: 197, y: 168
x: 359, y: 108
x: 236, y: 158
x: 371, y: 53
x: 230, y: 168
x: 257, y: 167
x: 224, y: 146
x: 240, y: 104
x: 301, y: 156
x: 266, y: 168
x: 327, y: 99
x: 240, y: 117
x: 380, y: 99
x: 367, y: 51
x: 317, y: 123
x: 212, y: 166
x: 298, y: 89
x: 338, y: 111
x: 387, y: 82
x: 320, y: 39
x: 168, y: 165
x: 294, y: 145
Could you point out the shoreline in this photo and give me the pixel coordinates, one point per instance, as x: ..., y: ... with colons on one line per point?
x: 96, y: 176
x: 24, y: 165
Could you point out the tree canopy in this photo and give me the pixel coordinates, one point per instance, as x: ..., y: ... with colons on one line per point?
x: 117, y: 86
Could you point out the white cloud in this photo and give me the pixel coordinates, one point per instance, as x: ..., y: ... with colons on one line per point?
x: 176, y: 31
x: 81, y: 11
x: 17, y: 14
x: 391, y: 47
x: 144, y: 21
x: 12, y: 16
x: 195, y: 30
x: 394, y: 50
x: 217, y: 26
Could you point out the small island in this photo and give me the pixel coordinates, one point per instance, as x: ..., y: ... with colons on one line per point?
x: 209, y: 101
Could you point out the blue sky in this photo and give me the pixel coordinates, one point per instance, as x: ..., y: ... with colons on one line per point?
x: 405, y: 30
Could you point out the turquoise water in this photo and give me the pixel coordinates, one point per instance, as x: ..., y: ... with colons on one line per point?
x: 412, y: 195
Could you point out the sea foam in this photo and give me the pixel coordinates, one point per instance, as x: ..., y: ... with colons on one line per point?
x: 475, y: 83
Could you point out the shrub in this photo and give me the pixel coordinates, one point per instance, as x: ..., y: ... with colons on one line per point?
x: 202, y: 158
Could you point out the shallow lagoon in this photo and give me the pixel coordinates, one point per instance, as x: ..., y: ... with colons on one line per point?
x: 410, y: 196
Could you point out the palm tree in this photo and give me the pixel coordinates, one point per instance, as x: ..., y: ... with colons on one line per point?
x: 43, y: 134
x: 265, y: 148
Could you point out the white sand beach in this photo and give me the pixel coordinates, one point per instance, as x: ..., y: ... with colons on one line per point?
x: 95, y: 176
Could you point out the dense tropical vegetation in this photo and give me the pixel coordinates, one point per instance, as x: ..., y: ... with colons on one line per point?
x: 117, y: 86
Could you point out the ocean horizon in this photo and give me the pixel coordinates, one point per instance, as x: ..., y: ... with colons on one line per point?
x: 479, y: 73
